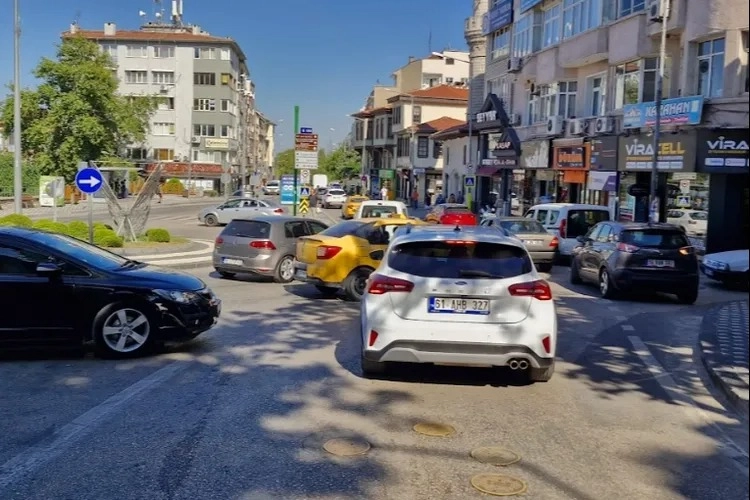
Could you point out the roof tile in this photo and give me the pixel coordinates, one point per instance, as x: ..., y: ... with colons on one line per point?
x: 438, y: 125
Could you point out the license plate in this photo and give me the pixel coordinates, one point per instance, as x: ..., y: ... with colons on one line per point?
x: 458, y: 306
x: 532, y: 242
x: 708, y: 272
x: 232, y: 262
x: 659, y: 263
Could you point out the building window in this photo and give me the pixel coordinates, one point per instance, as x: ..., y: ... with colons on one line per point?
x: 226, y: 106
x: 523, y: 35
x: 136, y: 153
x: 596, y: 89
x: 431, y: 80
x: 163, y: 51
x: 449, y: 80
x: 501, y: 43
x: 627, y: 7
x: 501, y: 87
x: 416, y: 115
x: 136, y: 77
x: 449, y: 61
x: 225, y: 131
x: 226, y: 79
x: 204, y: 130
x: 397, y: 115
x: 636, y: 82
x: 225, y: 54
x: 204, y: 104
x: 204, y: 78
x: 205, y: 53
x: 532, y: 108
x: 370, y: 125
x: 137, y: 51
x: 552, y: 30
x: 162, y: 154
x: 466, y: 153
x: 163, y: 77
x: 747, y: 50
x: 111, y: 51
x: 437, y: 149
x: 403, y: 146
x: 165, y: 103
x: 566, y: 100
x: 389, y: 131
x: 423, y: 146
x: 580, y: 16
x: 546, y: 103
x: 711, y: 68
x: 447, y: 156
x: 162, y: 128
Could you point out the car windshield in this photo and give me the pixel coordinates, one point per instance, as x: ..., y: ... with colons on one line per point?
x: 453, y: 260
x: 342, y: 229
x: 81, y: 251
x: 580, y: 221
x: 654, y: 238
x: 247, y: 229
x: 378, y: 211
x: 522, y: 226
x: 699, y: 215
x: 272, y: 183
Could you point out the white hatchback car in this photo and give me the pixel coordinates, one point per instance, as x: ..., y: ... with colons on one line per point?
x: 334, y: 197
x: 458, y: 296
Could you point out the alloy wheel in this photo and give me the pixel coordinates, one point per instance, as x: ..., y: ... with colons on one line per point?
x: 126, y: 330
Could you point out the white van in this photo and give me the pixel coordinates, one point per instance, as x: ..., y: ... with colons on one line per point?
x: 381, y: 208
x: 568, y: 221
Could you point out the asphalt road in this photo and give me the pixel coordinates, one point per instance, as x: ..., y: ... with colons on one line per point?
x: 243, y: 412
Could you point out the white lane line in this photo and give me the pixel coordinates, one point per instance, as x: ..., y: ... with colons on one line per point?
x: 620, y: 319
x: 628, y: 328
x: 28, y: 461
x: 668, y: 383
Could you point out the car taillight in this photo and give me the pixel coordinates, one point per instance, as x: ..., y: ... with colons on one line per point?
x: 327, y: 252
x: 278, y: 211
x: 547, y: 344
x: 563, y: 228
x: 538, y: 289
x: 624, y: 247
x: 460, y: 242
x: 372, y: 338
x: 219, y: 240
x: 687, y: 251
x: 555, y: 242
x: 263, y: 245
x: 378, y: 285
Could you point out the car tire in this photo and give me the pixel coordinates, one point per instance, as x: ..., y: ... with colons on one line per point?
x: 123, y: 330
x: 284, y: 272
x: 371, y: 368
x: 606, y: 288
x: 575, y: 273
x: 328, y: 291
x: 225, y: 274
x: 211, y: 220
x: 544, y: 268
x: 688, y: 297
x: 542, y: 374
x: 355, y: 283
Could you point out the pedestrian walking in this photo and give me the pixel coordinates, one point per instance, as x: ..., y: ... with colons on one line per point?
x: 314, y: 200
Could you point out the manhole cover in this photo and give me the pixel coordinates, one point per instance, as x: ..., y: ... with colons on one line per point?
x: 495, y: 455
x: 499, y: 485
x: 434, y: 429
x: 346, y: 447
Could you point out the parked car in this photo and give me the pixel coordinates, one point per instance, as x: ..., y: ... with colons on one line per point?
x: 272, y: 187
x: 541, y: 244
x: 262, y: 246
x: 243, y: 193
x: 381, y: 208
x: 451, y: 213
x: 349, y: 209
x: 624, y: 257
x: 334, y: 198
x: 238, y: 208
x: 693, y: 222
x: 568, y: 221
x: 58, y: 291
x: 339, y: 258
x: 467, y: 296
x: 732, y: 268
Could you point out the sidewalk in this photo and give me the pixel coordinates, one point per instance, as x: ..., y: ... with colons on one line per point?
x: 723, y: 345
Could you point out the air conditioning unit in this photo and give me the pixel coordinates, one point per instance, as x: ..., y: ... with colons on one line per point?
x: 514, y: 64
x: 576, y: 127
x: 195, y: 140
x: 514, y: 119
x: 604, y: 125
x: 555, y: 125
x: 656, y: 10
x: 164, y: 89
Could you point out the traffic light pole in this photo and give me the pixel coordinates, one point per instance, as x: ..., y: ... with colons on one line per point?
x: 296, y: 172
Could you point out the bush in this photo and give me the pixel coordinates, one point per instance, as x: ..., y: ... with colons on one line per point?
x: 107, y: 238
x: 210, y: 193
x: 51, y: 226
x: 78, y: 229
x: 16, y: 220
x: 173, y: 186
x: 158, y: 235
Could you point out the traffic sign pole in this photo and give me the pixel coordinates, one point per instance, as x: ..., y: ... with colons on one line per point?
x: 89, y: 180
x: 296, y: 175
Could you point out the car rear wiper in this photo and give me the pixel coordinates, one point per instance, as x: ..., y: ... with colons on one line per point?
x: 468, y: 273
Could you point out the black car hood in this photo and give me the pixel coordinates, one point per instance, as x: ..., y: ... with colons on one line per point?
x: 161, y: 277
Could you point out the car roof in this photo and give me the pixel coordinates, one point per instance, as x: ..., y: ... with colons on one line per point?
x: 635, y: 226
x: 271, y: 219
x: 448, y: 232
x: 513, y: 218
x: 18, y: 231
x: 391, y: 220
x: 582, y: 206
x: 393, y: 203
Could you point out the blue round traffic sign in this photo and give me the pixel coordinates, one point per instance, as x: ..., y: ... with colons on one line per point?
x: 89, y: 180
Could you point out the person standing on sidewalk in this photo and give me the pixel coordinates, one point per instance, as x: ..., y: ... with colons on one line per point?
x: 314, y: 200
x: 415, y: 199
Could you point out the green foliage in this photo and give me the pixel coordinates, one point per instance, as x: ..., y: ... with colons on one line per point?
x: 78, y: 229
x: 76, y: 113
x: 51, y: 226
x: 158, y: 235
x: 210, y: 193
x: 30, y: 175
x: 284, y: 163
x: 107, y: 238
x: 341, y: 163
x: 16, y: 220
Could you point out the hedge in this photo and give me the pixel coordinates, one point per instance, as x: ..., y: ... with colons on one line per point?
x: 16, y: 220
x: 158, y: 235
x: 104, y: 235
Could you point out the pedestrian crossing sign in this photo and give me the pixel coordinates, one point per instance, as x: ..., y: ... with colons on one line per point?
x: 304, y: 192
x: 469, y: 181
x: 304, y: 206
x: 683, y: 201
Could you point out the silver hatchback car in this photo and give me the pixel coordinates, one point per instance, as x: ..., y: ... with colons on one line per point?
x: 239, y: 208
x: 262, y: 246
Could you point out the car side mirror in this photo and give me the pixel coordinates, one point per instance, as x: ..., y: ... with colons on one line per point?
x: 48, y: 269
x: 377, y: 254
x: 581, y: 239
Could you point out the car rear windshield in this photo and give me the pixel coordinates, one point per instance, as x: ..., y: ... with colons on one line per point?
x: 654, y: 238
x: 522, y: 226
x: 248, y: 229
x: 342, y: 229
x: 466, y: 260
x: 378, y: 211
x: 699, y: 215
x: 337, y: 192
x: 454, y: 210
x: 580, y: 221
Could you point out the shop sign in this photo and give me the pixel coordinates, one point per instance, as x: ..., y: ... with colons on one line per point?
x: 183, y: 169
x: 500, y: 15
x: 487, y: 116
x: 500, y: 162
x: 723, y: 151
x: 212, y: 143
x: 602, y: 181
x: 603, y: 153
x: 535, y: 154
x: 501, y: 147
x: 677, y: 111
x: 676, y: 152
x: 386, y: 173
x: 569, y: 157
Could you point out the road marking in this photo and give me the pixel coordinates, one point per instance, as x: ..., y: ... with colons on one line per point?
x: 621, y: 318
x: 628, y: 328
x: 27, y: 462
x: 207, y: 250
x: 668, y: 383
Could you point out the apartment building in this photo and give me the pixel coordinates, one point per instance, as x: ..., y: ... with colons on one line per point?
x: 575, y: 82
x: 206, y: 97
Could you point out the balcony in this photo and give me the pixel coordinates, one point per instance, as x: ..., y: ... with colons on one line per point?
x: 584, y: 49
x: 548, y: 70
x: 628, y: 39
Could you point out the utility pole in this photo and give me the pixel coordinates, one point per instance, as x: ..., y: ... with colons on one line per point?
x: 17, y: 170
x: 654, y: 211
x: 296, y: 172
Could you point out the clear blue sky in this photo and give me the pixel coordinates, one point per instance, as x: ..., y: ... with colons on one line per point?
x: 323, y: 55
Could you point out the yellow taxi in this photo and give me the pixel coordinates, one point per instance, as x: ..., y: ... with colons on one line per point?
x: 351, y: 206
x: 343, y: 256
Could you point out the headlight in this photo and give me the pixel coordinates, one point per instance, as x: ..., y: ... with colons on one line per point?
x: 177, y: 295
x: 715, y: 264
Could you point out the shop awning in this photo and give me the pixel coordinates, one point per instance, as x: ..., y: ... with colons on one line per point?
x: 487, y: 171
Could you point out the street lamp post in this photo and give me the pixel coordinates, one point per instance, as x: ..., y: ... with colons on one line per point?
x: 17, y: 171
x: 654, y: 212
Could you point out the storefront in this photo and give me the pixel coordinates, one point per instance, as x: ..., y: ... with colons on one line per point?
x: 601, y: 187
x: 387, y: 178
x: 722, y: 156
x: 570, y: 161
x: 539, y: 178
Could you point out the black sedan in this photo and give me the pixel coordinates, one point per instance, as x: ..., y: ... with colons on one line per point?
x: 57, y: 291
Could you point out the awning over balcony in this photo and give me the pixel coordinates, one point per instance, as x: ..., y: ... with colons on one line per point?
x: 487, y: 171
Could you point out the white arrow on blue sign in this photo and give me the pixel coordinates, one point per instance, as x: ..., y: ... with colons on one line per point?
x: 305, y: 130
x: 89, y: 180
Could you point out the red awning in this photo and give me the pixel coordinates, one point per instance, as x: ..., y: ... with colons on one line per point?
x: 487, y: 171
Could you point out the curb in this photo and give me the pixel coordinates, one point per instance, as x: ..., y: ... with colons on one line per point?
x: 182, y: 260
x: 738, y: 403
x: 135, y: 252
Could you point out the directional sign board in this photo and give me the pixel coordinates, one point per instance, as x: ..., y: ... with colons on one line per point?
x: 306, y: 151
x: 304, y: 192
x: 469, y: 181
x: 305, y: 130
x: 89, y: 180
x: 306, y: 142
x: 304, y: 176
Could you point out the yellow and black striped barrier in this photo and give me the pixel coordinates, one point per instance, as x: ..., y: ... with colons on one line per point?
x: 304, y: 206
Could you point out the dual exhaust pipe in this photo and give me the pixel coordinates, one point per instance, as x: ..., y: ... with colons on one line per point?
x: 518, y: 364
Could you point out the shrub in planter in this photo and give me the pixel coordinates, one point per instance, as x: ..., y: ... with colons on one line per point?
x: 16, y: 220
x: 104, y: 237
x: 173, y: 186
x: 78, y: 229
x: 51, y: 226
x: 210, y: 193
x: 158, y: 235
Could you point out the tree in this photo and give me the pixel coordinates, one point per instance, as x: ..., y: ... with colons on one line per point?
x: 76, y: 113
x: 30, y: 176
x: 284, y: 163
x: 341, y: 163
